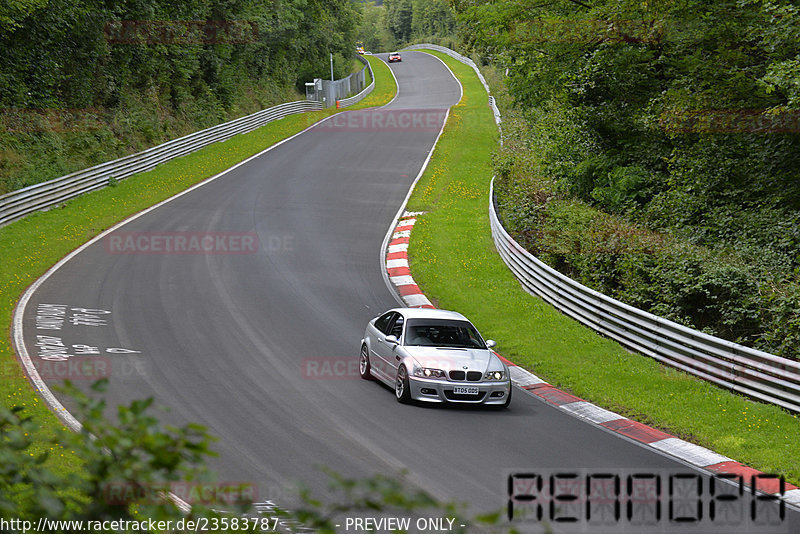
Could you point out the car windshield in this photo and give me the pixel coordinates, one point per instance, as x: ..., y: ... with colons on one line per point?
x: 442, y: 333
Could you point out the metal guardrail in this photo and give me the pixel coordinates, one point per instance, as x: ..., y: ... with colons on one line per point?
x: 453, y: 54
x: 748, y: 371
x: 17, y: 204
x: 337, y: 92
x: 343, y: 103
x: 466, y: 61
x: 742, y: 369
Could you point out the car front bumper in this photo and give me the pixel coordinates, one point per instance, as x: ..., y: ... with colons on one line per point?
x: 426, y: 390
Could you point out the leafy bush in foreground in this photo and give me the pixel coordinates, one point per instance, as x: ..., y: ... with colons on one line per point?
x: 127, y: 463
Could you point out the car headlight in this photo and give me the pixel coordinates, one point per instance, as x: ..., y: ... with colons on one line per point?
x: 427, y: 372
x: 495, y: 375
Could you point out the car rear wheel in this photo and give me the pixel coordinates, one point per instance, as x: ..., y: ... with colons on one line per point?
x: 363, y: 364
x: 402, y: 389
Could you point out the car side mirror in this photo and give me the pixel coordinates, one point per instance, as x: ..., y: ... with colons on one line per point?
x: 392, y: 340
x: 490, y: 343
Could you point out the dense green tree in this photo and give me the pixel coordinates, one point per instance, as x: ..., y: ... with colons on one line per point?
x: 13, y: 12
x: 139, y: 72
x: 405, y: 21
x: 432, y: 18
x: 374, y: 30
x: 69, y: 54
x: 681, y: 116
x: 399, y: 15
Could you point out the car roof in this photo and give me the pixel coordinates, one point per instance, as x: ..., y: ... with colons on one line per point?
x: 428, y: 313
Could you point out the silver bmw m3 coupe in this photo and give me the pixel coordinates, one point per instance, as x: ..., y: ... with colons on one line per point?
x: 433, y: 356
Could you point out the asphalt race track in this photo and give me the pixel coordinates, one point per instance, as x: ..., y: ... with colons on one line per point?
x: 259, y: 342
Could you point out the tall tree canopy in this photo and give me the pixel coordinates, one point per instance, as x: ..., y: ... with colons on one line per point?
x: 675, y: 116
x: 59, y: 53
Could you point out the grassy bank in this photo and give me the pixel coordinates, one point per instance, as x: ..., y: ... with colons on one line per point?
x: 39, y: 145
x: 32, y: 245
x: 454, y: 261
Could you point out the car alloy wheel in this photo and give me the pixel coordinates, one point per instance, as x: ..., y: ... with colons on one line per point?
x: 363, y: 364
x: 401, y: 386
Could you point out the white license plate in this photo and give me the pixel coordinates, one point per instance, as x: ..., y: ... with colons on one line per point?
x: 465, y: 390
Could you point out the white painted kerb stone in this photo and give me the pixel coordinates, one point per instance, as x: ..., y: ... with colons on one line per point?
x: 694, y: 454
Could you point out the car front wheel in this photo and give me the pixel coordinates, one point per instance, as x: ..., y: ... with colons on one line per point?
x: 363, y: 364
x: 402, y: 389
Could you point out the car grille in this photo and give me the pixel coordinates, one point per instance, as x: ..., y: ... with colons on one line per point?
x: 472, y: 376
x: 460, y: 397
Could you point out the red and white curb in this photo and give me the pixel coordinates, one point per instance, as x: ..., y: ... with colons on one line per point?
x: 397, y: 263
x: 410, y: 293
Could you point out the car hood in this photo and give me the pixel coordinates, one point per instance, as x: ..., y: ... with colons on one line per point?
x: 450, y: 358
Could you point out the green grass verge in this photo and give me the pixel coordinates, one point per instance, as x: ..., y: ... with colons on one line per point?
x: 32, y: 245
x: 454, y: 261
x: 385, y: 86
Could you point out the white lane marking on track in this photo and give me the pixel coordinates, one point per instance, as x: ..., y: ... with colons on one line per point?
x: 385, y: 264
x: 396, y: 84
x: 402, y: 209
x: 19, y: 312
x: 796, y: 496
x: 684, y: 450
x: 688, y: 452
x: 453, y: 74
